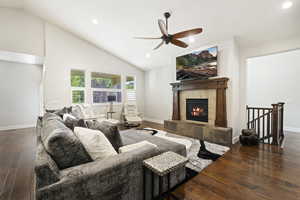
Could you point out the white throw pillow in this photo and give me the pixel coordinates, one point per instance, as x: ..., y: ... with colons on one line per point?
x: 95, y: 143
x: 65, y: 116
x: 135, y: 146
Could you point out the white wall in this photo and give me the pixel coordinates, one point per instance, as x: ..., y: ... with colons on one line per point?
x: 24, y: 34
x: 264, y: 49
x: 274, y: 78
x: 21, y: 32
x: 158, y: 99
x: 20, y: 90
x: 64, y: 52
x: 158, y: 94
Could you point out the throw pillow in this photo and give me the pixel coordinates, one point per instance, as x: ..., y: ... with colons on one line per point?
x: 62, y: 145
x: 60, y: 112
x: 71, y: 122
x: 95, y: 142
x: 76, y: 112
x: 67, y: 115
x: 110, y: 131
x: 135, y: 146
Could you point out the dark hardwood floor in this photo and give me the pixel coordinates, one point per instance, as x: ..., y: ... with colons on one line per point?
x: 17, y: 150
x: 264, y: 172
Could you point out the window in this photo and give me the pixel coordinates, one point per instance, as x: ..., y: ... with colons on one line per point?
x: 104, y: 85
x: 109, y: 81
x: 101, y: 96
x: 130, y: 83
x: 78, y: 86
x: 77, y: 96
x: 130, y: 88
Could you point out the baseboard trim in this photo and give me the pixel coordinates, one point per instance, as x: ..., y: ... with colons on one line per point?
x: 153, y: 120
x: 292, y: 129
x: 5, y: 128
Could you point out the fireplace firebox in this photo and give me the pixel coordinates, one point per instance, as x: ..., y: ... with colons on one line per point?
x: 197, y: 110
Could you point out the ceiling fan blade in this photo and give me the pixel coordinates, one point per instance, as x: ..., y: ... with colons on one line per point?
x: 187, y: 33
x: 179, y: 43
x: 160, y: 44
x: 147, y: 38
x: 162, y: 27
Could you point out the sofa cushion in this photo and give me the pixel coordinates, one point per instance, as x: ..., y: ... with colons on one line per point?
x: 95, y: 142
x: 110, y: 131
x: 62, y: 145
x: 132, y: 136
x: 45, y: 168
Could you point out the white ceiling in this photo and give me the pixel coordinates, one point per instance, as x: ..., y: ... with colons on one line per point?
x: 252, y: 22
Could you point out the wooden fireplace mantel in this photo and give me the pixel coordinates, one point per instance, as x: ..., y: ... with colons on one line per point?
x: 220, y: 84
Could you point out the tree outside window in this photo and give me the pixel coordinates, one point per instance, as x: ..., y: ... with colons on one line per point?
x: 130, y: 83
x: 104, y: 85
x: 78, y: 86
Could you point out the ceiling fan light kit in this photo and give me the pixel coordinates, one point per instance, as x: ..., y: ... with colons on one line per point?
x: 171, y: 38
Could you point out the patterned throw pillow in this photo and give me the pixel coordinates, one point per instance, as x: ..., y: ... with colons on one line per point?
x: 60, y: 112
x: 71, y: 122
x: 63, y: 111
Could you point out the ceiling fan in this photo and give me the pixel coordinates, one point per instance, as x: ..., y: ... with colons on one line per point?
x: 171, y: 38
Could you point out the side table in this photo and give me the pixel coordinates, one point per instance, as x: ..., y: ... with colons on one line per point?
x: 162, y: 165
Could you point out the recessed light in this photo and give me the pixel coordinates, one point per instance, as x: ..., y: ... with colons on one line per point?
x: 191, y: 39
x: 148, y: 55
x: 287, y: 5
x: 95, y: 21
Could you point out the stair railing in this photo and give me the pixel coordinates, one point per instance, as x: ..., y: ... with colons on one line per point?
x: 268, y: 123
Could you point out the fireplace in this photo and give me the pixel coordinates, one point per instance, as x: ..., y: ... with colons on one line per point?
x: 197, y: 110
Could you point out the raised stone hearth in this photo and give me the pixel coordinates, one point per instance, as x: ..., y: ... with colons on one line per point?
x: 217, y: 135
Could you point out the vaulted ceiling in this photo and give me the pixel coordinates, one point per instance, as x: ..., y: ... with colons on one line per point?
x: 251, y: 22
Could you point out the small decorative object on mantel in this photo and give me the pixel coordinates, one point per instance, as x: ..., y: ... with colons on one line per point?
x: 249, y: 137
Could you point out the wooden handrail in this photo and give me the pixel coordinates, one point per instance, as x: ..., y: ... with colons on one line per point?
x: 268, y: 122
x: 259, y: 108
x: 261, y: 116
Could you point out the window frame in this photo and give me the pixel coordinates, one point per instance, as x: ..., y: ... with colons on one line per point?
x: 78, y: 88
x: 131, y: 90
x: 106, y: 89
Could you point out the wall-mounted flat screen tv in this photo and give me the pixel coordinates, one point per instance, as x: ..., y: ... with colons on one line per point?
x: 200, y: 64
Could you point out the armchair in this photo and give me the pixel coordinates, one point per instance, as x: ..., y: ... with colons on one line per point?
x: 132, y: 117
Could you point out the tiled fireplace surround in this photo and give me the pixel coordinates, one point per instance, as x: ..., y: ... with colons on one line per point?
x: 209, y: 94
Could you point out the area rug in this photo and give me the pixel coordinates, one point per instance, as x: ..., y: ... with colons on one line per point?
x: 192, y: 148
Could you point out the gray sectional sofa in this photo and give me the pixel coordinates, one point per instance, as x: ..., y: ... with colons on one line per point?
x: 64, y: 170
